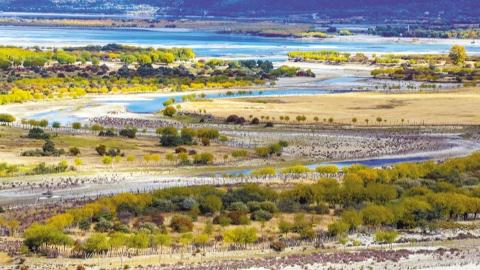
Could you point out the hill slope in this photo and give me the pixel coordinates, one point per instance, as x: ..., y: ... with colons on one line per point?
x: 372, y: 9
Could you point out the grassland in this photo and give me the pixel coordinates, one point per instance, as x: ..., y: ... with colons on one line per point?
x: 14, y: 141
x: 455, y: 107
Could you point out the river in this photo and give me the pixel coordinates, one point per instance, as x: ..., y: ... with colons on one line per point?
x: 154, y: 103
x: 209, y: 44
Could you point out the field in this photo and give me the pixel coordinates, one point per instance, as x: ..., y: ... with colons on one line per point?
x: 455, y: 107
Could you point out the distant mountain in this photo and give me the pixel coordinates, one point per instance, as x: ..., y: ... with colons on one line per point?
x: 371, y: 9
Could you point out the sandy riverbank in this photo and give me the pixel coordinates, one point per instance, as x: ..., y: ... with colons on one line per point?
x: 404, y: 40
x: 325, y: 71
x: 98, y: 105
x: 439, y: 257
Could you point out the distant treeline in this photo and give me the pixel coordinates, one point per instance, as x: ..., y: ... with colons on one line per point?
x: 421, y: 32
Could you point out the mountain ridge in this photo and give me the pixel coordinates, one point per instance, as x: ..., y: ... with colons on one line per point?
x: 371, y: 9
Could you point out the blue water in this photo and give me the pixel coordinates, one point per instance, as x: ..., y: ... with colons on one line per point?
x: 204, y: 43
x: 374, y: 163
x: 49, y: 115
x: 65, y: 117
x: 156, y: 104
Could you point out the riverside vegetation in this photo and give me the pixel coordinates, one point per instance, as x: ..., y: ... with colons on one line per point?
x: 456, y: 67
x: 425, y: 195
x: 35, y: 74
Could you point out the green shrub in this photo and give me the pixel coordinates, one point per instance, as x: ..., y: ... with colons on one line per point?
x: 5, y: 117
x: 181, y: 223
x: 77, y: 125
x: 38, y: 133
x: 261, y: 215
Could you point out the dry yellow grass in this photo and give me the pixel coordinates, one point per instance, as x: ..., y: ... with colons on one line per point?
x: 13, y: 142
x: 4, y: 258
x: 459, y: 107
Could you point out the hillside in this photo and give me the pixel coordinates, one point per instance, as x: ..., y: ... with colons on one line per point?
x: 372, y: 10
